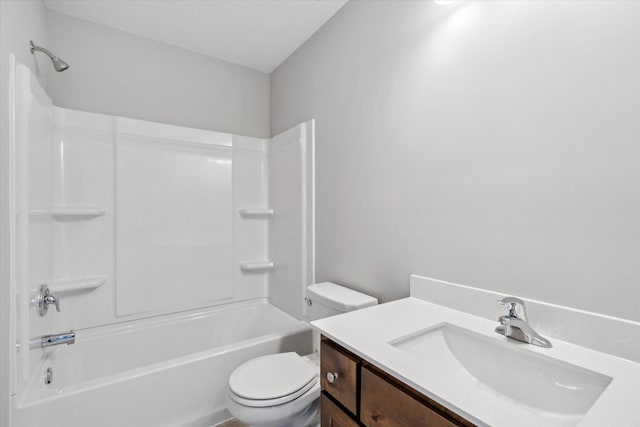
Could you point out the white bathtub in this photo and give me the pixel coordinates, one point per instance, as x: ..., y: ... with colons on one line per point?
x: 168, y: 371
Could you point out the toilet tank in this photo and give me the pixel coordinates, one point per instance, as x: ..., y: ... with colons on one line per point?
x: 328, y: 299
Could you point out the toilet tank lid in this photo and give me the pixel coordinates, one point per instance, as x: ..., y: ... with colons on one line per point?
x: 339, y: 297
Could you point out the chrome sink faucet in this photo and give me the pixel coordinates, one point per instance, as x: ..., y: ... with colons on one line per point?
x: 515, y: 325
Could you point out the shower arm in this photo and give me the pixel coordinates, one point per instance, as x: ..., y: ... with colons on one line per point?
x: 35, y: 48
x: 58, y: 63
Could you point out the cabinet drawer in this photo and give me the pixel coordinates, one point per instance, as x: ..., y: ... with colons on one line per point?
x: 339, y: 375
x: 384, y: 405
x: 332, y: 416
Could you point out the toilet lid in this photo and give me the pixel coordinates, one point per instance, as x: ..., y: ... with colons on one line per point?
x: 272, y: 376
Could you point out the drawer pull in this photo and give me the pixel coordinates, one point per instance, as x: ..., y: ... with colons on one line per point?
x: 331, y: 377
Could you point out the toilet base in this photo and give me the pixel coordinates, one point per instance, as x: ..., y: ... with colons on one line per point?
x: 306, y: 415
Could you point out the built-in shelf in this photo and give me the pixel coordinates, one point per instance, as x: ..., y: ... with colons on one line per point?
x: 62, y: 213
x: 70, y: 286
x: 83, y: 212
x: 256, y: 213
x: 257, y: 266
x: 80, y: 284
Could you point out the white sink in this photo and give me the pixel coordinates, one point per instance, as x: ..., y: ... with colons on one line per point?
x: 559, y: 392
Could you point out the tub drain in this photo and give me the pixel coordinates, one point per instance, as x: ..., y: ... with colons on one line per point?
x: 48, y: 376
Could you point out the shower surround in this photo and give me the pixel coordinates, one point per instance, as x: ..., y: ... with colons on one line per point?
x: 176, y: 254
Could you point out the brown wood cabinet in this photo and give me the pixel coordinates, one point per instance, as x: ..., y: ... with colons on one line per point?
x: 357, y: 393
x: 339, y: 372
x: 331, y: 415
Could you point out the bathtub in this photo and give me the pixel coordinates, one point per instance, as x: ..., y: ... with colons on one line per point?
x: 167, y: 371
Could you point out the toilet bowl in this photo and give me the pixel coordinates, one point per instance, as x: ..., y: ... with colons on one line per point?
x: 283, y: 389
x: 276, y: 390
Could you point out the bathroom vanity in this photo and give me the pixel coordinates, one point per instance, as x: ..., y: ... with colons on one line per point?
x: 411, y: 362
x: 356, y: 392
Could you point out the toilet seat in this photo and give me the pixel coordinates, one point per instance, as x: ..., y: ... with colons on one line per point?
x: 262, y: 403
x: 272, y: 380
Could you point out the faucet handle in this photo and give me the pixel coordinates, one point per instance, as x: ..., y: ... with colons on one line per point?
x: 516, y: 307
x: 52, y: 299
x: 45, y: 297
x: 511, y: 300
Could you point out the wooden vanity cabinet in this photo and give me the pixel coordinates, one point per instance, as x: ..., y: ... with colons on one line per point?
x: 331, y: 415
x: 339, y: 375
x: 370, y: 397
x: 387, y: 405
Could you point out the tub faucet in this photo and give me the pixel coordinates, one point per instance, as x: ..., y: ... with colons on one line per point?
x: 515, y: 325
x: 57, y: 339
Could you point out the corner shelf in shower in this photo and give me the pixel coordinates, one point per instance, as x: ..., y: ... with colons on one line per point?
x: 256, y: 213
x: 256, y: 266
x: 80, y: 284
x: 83, y: 212
x: 64, y: 213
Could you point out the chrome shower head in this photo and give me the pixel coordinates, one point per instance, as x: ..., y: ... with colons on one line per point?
x: 58, y: 63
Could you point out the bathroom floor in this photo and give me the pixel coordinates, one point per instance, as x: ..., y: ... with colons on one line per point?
x: 231, y: 423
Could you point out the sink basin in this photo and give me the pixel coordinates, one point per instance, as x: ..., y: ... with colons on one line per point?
x: 558, y: 391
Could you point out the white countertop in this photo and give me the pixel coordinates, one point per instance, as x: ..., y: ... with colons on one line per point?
x: 368, y: 332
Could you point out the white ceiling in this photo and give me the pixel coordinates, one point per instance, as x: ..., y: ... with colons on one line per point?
x: 258, y: 34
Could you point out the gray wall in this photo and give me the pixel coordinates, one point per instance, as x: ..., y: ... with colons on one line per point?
x: 20, y: 21
x: 493, y: 144
x: 113, y: 72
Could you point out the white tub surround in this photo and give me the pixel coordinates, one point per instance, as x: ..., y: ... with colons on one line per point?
x: 165, y: 247
x: 112, y: 209
x: 374, y: 334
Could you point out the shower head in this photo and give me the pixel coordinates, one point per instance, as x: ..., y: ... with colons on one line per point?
x: 58, y: 63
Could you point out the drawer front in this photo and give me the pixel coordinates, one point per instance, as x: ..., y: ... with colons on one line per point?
x: 332, y: 416
x: 384, y: 405
x: 339, y: 375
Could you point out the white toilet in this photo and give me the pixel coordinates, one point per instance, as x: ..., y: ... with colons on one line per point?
x: 284, y: 389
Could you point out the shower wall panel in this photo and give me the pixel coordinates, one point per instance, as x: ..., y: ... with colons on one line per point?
x: 30, y: 238
x: 81, y: 204
x: 174, y: 228
x: 291, y: 230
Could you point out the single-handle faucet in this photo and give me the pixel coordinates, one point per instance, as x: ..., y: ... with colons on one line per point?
x: 45, y: 297
x: 515, y: 325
